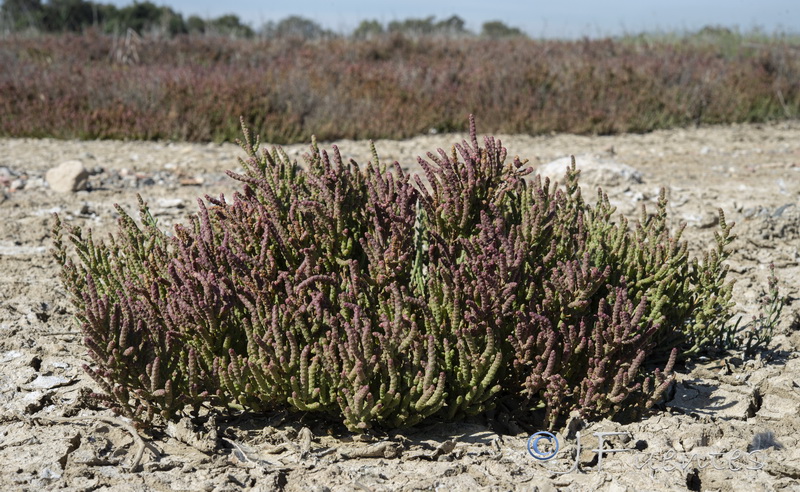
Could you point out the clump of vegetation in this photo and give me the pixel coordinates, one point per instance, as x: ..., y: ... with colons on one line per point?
x: 756, y: 335
x: 391, y: 84
x: 384, y: 299
x: 54, y: 16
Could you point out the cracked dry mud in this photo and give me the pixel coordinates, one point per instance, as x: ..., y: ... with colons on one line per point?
x: 718, y: 411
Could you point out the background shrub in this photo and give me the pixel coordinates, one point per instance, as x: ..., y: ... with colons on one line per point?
x: 385, y: 86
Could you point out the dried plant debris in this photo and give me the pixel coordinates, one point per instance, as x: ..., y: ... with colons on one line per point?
x: 385, y: 299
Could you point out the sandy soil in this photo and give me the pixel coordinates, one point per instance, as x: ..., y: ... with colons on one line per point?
x: 728, y: 424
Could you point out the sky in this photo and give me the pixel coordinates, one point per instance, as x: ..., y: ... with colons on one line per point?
x: 550, y: 19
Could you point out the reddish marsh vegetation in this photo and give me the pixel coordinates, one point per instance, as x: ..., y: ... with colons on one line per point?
x: 195, y: 88
x: 351, y: 292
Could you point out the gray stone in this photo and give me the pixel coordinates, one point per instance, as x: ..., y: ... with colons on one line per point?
x: 7, y: 173
x: 67, y: 177
x: 49, y: 382
x: 595, y: 171
x: 49, y: 474
x: 17, y: 184
x: 10, y: 355
x: 8, y: 248
x: 170, y: 203
x: 703, y: 220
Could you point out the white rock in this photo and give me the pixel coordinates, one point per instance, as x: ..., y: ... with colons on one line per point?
x: 7, y: 248
x: 48, y: 474
x: 703, y: 220
x: 595, y: 171
x: 49, y: 382
x: 10, y: 355
x: 67, y: 177
x: 17, y: 184
x: 170, y: 203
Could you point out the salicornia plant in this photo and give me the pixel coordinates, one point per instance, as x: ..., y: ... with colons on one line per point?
x: 385, y: 299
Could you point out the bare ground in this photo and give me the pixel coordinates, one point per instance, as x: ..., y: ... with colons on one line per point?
x: 703, y: 438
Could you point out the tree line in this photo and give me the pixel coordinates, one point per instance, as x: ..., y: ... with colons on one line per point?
x: 57, y: 16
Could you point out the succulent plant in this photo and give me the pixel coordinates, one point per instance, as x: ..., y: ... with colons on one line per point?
x: 384, y: 299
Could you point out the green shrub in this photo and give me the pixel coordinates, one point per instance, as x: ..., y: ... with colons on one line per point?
x: 383, y: 300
